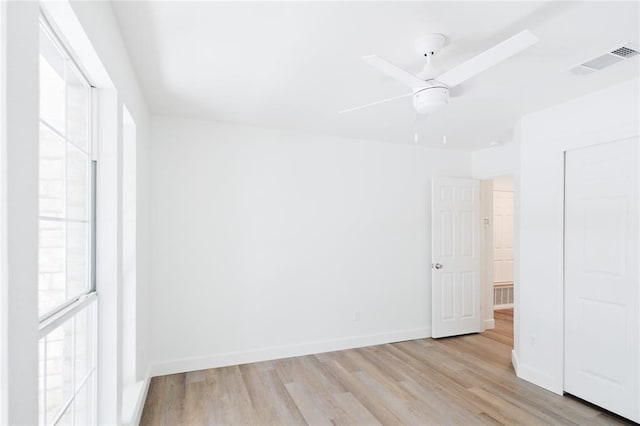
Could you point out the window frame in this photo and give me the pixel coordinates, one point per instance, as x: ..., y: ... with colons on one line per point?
x: 86, y: 301
x: 61, y: 311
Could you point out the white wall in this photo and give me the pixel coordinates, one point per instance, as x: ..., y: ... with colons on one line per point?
x: 269, y: 243
x: 599, y: 117
x: 503, y: 183
x: 501, y: 160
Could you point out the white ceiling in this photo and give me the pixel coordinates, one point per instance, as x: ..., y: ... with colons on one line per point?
x: 293, y: 65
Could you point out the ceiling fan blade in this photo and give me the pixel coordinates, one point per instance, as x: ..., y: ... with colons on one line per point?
x: 488, y: 58
x: 375, y: 103
x: 394, y: 71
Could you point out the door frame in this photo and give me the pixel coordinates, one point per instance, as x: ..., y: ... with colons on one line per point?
x: 486, y: 242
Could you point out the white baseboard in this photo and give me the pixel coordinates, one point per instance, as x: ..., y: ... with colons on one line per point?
x: 505, y: 306
x: 285, y: 351
x: 537, y: 377
x: 489, y: 324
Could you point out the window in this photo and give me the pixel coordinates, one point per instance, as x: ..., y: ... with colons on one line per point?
x: 66, y: 296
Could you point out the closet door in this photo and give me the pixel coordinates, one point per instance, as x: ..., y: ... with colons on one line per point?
x: 602, y: 356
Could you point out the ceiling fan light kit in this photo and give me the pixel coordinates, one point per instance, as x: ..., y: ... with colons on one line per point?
x: 430, y: 88
x: 431, y: 99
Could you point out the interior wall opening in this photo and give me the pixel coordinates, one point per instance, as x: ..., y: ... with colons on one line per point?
x: 497, y: 198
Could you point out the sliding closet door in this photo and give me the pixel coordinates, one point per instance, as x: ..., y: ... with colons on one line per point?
x: 602, y: 356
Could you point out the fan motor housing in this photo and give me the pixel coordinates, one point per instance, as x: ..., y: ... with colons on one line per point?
x: 431, y: 99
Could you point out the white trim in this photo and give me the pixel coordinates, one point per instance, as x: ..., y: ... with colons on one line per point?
x: 108, y: 258
x: 486, y: 237
x: 137, y: 411
x: 3, y: 225
x: 20, y: 213
x: 537, y: 377
x: 62, y: 219
x: 505, y: 306
x: 514, y: 360
x: 285, y: 351
x: 64, y: 314
x: 65, y: 23
x: 132, y: 412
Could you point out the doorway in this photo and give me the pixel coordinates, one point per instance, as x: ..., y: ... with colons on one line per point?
x: 497, y: 211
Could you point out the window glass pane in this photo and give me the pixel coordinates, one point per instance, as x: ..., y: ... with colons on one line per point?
x: 67, y: 417
x: 77, y: 110
x: 59, y: 369
x: 52, y: 174
x: 51, y: 265
x: 85, y: 402
x: 68, y: 369
x: 77, y: 259
x: 65, y: 179
x: 85, y: 344
x: 52, y: 84
x: 41, y: 382
x: 77, y: 182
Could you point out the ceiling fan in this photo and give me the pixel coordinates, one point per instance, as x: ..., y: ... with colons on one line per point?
x: 429, y: 88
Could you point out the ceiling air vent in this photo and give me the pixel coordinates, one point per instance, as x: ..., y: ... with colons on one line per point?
x: 625, y: 52
x: 612, y: 57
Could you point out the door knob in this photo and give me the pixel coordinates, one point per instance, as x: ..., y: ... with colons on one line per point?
x: 436, y: 265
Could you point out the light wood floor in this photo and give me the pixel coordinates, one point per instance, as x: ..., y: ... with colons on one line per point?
x: 462, y: 380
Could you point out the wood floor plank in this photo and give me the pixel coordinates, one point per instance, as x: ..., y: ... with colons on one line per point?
x: 356, y: 412
x: 260, y: 395
x: 505, y: 412
x: 465, y: 380
x: 237, y: 403
x: 173, y: 409
x: 438, y: 406
x: 193, y: 411
x: 214, y: 408
x: 352, y: 384
x: 398, y: 406
x: 276, y: 394
x: 313, y: 413
x: 378, y: 372
x: 152, y: 414
x: 322, y: 386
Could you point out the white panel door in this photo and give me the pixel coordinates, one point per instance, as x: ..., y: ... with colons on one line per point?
x: 455, y: 219
x: 502, y: 237
x: 602, y: 331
